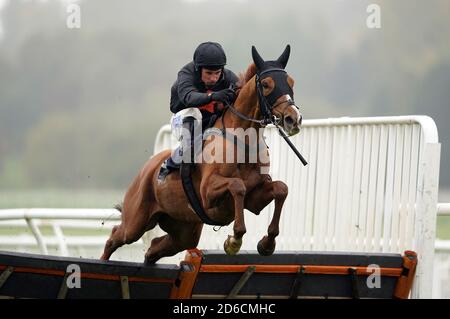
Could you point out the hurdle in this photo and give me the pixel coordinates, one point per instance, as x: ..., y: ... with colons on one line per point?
x: 295, y: 275
x: 51, y: 277
x: 211, y: 274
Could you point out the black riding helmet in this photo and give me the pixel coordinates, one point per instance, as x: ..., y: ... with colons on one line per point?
x: 210, y: 55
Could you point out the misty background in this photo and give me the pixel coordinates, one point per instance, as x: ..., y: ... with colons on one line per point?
x: 80, y: 108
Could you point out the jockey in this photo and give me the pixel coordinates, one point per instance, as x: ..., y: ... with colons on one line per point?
x: 198, y: 97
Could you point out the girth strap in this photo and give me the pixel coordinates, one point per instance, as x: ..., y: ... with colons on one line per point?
x: 188, y: 186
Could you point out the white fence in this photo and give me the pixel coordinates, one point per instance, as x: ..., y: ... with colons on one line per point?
x: 371, y: 186
x: 63, y: 232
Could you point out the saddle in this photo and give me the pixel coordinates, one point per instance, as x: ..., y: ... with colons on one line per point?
x: 186, y: 170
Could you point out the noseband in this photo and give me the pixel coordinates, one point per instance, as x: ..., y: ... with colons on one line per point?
x: 267, y: 103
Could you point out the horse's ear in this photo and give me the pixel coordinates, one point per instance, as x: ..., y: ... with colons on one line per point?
x: 259, y: 62
x: 284, y: 57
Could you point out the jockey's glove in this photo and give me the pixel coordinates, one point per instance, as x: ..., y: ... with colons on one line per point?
x: 226, y: 96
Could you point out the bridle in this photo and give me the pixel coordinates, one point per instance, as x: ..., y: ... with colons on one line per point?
x: 266, y: 106
x: 267, y: 103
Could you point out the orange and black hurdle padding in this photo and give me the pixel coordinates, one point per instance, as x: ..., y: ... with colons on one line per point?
x: 45, y: 277
x: 212, y: 274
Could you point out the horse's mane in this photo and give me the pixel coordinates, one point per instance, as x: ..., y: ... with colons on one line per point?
x: 246, y: 76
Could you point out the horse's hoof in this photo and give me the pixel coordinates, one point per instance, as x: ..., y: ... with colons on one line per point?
x: 266, y: 247
x: 149, y: 261
x: 232, y: 245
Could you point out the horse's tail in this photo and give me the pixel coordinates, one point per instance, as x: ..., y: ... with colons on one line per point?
x: 119, y: 206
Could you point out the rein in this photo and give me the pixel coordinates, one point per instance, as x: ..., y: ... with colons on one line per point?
x: 262, y: 122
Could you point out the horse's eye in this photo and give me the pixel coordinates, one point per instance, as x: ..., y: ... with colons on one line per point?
x: 265, y: 85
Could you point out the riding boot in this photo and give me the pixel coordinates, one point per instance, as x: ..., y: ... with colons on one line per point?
x: 187, y: 151
x: 184, y: 153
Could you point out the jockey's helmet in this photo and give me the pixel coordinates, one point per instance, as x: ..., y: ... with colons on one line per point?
x: 210, y: 55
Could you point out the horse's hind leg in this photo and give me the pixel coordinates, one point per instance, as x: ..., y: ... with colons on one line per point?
x: 181, y: 236
x: 129, y: 231
x: 260, y: 198
x: 160, y: 247
x: 114, y: 242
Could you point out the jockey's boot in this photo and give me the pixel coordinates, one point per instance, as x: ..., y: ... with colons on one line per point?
x: 188, y: 141
x: 184, y: 153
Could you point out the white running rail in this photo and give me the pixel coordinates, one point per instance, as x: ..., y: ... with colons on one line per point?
x: 48, y: 231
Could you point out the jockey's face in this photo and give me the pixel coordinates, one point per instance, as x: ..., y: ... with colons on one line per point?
x: 210, y: 77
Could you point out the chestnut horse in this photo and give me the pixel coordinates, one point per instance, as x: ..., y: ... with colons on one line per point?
x: 224, y: 189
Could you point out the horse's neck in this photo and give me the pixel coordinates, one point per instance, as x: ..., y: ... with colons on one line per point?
x: 246, y: 104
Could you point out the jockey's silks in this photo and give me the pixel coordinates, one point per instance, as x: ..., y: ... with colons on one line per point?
x: 210, y: 107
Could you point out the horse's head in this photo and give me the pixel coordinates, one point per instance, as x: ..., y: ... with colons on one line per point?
x: 275, y: 91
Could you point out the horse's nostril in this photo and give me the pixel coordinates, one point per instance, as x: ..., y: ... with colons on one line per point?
x: 289, y: 120
x: 300, y: 120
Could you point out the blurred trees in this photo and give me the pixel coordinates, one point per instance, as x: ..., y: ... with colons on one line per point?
x: 81, y: 107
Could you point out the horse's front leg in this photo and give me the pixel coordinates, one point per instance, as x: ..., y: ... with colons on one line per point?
x: 216, y: 187
x: 260, y: 198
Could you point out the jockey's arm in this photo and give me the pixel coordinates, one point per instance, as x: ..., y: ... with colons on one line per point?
x: 188, y: 93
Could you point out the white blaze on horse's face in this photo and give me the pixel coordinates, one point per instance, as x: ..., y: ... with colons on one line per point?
x: 292, y: 119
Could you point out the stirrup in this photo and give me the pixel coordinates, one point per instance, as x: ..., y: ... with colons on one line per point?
x: 164, y: 171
